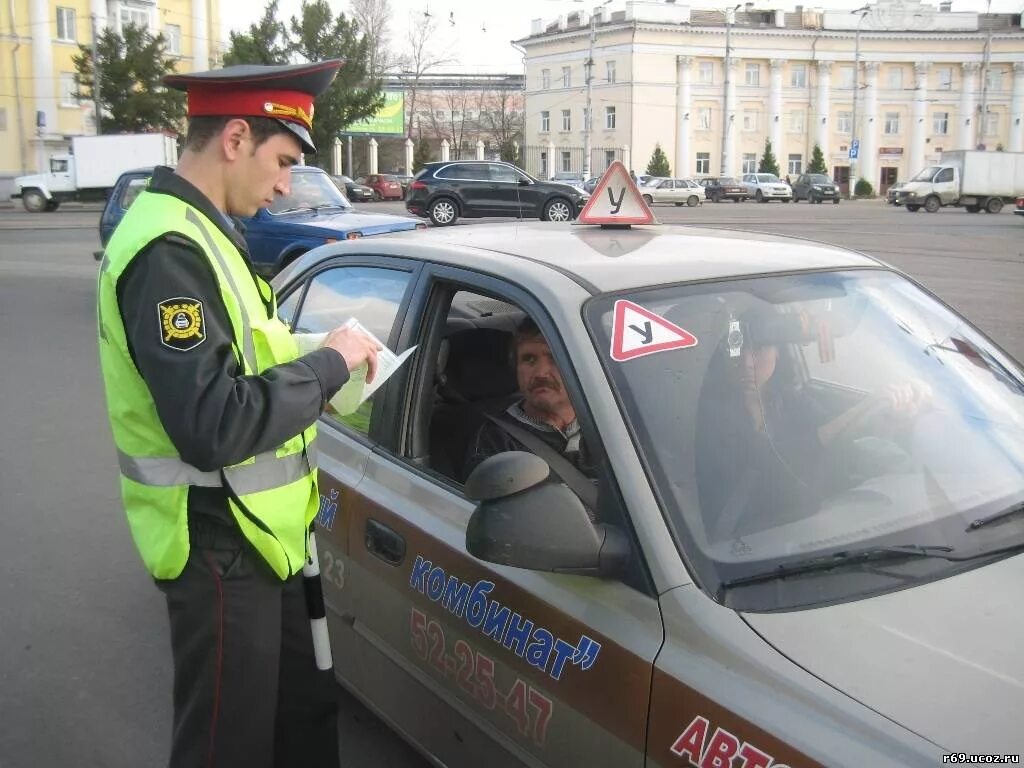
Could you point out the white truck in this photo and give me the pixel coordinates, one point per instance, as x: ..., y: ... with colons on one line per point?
x: 974, y: 180
x: 92, y: 167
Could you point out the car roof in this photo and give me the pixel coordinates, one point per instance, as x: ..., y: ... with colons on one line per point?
x: 604, y: 260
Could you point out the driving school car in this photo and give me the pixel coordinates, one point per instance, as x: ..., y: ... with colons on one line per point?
x: 852, y: 605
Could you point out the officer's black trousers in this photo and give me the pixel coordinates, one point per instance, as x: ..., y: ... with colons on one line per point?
x: 247, y: 692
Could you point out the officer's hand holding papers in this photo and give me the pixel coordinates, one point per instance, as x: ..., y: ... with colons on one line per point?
x: 370, y: 362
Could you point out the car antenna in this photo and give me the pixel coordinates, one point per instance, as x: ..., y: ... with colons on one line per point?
x: 616, y: 202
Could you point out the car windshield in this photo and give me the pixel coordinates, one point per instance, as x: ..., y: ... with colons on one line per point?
x: 767, y: 178
x: 927, y: 174
x: 310, y: 191
x: 808, y: 416
x: 819, y: 178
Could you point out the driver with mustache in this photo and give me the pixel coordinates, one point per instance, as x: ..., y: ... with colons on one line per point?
x: 544, y: 408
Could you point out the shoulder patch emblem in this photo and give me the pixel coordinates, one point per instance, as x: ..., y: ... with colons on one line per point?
x: 182, y: 326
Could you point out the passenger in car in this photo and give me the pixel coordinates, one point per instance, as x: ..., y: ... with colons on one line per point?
x: 544, y: 408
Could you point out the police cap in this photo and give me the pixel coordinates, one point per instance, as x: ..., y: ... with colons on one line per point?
x: 285, y: 93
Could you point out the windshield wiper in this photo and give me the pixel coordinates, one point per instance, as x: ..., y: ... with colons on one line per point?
x: 297, y: 208
x: 841, y: 559
x: 981, y: 522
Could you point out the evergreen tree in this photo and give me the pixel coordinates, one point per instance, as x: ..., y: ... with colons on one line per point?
x: 768, y: 162
x: 817, y: 164
x: 266, y: 42
x: 509, y: 152
x: 133, y: 98
x: 659, y: 163
x: 421, y: 155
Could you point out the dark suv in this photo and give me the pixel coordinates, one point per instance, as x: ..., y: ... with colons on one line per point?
x: 815, y: 187
x: 444, y: 191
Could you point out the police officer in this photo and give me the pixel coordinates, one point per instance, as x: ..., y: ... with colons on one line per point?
x: 213, y: 414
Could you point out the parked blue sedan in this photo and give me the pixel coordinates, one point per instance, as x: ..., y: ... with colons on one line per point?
x: 313, y: 213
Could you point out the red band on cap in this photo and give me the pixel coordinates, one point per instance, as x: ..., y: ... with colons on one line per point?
x: 217, y: 101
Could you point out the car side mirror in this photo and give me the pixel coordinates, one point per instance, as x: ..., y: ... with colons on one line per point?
x: 527, y: 519
x: 524, y: 182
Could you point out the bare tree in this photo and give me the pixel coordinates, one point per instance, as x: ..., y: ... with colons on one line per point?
x: 373, y: 17
x: 501, y: 118
x: 455, y: 122
x: 419, y: 59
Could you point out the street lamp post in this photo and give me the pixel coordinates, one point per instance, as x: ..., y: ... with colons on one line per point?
x: 589, y: 69
x: 729, y: 12
x: 855, y: 155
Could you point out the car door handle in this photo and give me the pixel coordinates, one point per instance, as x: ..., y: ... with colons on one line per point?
x: 384, y: 543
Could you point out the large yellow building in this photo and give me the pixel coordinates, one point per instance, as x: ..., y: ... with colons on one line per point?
x: 926, y: 79
x: 38, y: 111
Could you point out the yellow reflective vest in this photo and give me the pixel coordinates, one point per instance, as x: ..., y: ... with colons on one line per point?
x: 272, y: 496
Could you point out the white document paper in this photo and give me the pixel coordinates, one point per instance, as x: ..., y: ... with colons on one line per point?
x: 356, y: 389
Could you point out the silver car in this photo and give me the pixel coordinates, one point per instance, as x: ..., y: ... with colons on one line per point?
x: 801, y: 545
x: 676, y: 191
x: 764, y: 187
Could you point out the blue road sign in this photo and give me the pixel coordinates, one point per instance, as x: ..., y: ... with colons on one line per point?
x: 855, y: 149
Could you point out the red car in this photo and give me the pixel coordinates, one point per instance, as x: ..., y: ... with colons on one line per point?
x: 384, y: 186
x: 1020, y: 206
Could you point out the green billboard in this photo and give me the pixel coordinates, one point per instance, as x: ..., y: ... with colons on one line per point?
x: 390, y: 119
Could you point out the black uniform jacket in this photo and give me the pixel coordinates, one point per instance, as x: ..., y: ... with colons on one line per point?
x: 213, y: 414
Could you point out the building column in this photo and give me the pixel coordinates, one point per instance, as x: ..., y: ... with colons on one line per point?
x: 868, y: 133
x: 684, y: 99
x: 821, y: 115
x: 919, y: 119
x: 731, y: 126
x: 1017, y: 109
x: 97, y: 8
x: 200, y: 36
x: 775, y: 110
x: 42, y: 71
x: 968, y: 89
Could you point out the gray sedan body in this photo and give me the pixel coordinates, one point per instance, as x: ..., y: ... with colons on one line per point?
x: 491, y: 631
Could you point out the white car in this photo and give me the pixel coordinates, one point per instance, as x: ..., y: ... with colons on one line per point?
x: 767, y: 186
x: 678, y: 191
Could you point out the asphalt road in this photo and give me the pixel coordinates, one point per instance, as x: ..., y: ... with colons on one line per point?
x: 84, y: 652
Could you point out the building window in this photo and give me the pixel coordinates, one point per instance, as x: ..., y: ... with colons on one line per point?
x: 68, y: 90
x: 137, y: 17
x: 704, y: 119
x: 545, y: 79
x: 567, y: 77
x: 3, y: 119
x: 945, y: 77
x: 995, y: 79
x: 172, y: 32
x: 66, y: 31
x: 798, y: 76
x: 797, y: 122
x: 751, y: 120
x: 992, y: 124
x: 753, y: 76
x: 846, y: 77
x: 892, y: 123
x: 896, y: 78
x: 543, y: 165
x: 566, y: 119
x: 609, y: 71
x: 545, y: 121
x: 586, y: 119
x: 940, y: 123
x: 703, y: 162
x: 609, y: 157
x: 795, y: 166
x: 845, y: 122
x: 609, y: 118
x: 749, y: 162
x: 566, y: 160
x: 706, y: 73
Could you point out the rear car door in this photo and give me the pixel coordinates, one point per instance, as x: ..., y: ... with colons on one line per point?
x: 485, y: 664
x: 375, y: 291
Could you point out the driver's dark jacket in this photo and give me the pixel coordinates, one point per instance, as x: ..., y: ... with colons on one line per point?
x: 214, y: 415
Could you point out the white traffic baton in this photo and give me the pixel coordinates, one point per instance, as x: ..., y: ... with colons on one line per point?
x: 315, y: 606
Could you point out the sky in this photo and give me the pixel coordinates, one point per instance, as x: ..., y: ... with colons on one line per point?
x: 479, y: 39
